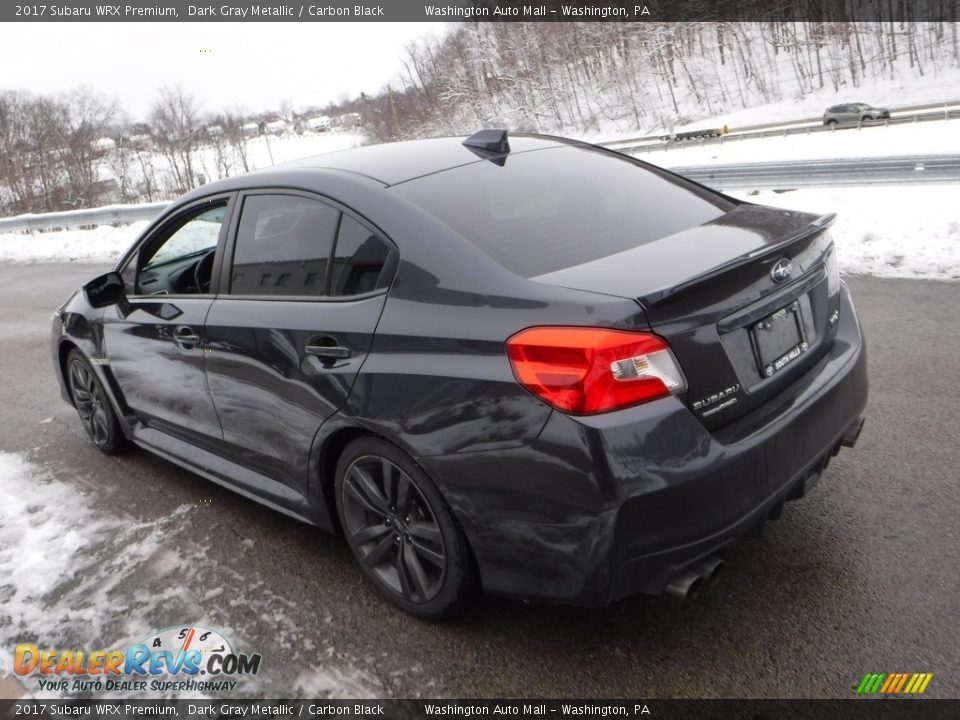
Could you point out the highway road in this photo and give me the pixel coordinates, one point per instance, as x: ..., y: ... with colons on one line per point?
x: 861, y: 576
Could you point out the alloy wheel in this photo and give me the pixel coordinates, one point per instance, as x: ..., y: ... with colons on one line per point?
x: 393, y: 528
x: 90, y: 402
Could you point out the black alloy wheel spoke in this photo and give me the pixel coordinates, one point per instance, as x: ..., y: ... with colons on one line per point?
x: 425, y: 531
x: 80, y: 384
x: 367, y: 491
x: 371, y: 532
x: 406, y: 585
x: 430, y: 555
x: 403, y: 496
x: 387, y: 475
x: 379, y: 553
x: 416, y: 572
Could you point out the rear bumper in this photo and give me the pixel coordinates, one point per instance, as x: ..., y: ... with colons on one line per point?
x: 602, y: 507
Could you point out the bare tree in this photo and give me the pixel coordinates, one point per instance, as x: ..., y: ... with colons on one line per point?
x: 175, y: 118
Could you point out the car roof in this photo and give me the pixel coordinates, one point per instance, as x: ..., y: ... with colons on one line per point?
x: 398, y: 162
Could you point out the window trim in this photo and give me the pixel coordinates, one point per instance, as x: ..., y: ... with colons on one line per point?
x: 226, y: 267
x: 163, y: 223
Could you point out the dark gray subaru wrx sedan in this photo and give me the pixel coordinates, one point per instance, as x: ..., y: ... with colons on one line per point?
x: 526, y: 364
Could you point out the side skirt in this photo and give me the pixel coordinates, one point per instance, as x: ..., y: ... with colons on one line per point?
x: 235, y: 477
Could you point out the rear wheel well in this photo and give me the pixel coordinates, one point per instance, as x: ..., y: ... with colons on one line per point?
x: 329, y: 457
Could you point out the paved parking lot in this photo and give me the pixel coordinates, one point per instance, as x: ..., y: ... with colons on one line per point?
x: 862, y: 576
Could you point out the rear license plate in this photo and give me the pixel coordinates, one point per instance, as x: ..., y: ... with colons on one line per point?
x: 778, y: 339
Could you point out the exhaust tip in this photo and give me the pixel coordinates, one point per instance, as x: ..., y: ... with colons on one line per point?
x: 685, y: 585
x: 710, y: 569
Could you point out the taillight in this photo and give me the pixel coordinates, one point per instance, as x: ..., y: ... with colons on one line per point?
x: 584, y: 371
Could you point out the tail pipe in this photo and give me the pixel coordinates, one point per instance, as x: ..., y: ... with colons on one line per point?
x: 686, y: 585
x: 710, y: 569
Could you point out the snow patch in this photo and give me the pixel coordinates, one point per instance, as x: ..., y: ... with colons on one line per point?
x: 71, y: 577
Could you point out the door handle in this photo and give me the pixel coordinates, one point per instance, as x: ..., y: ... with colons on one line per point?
x: 185, y: 337
x: 330, y: 352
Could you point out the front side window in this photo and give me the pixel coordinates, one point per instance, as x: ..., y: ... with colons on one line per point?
x: 283, y: 246
x: 180, y: 260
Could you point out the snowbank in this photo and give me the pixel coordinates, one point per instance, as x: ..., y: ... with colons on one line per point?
x: 905, y: 232
x: 103, y: 244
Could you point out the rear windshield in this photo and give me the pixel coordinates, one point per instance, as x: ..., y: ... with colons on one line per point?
x: 552, y: 209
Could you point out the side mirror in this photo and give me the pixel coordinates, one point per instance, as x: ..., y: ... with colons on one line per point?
x: 105, y: 290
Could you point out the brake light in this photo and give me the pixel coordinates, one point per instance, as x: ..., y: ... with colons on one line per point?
x: 584, y: 371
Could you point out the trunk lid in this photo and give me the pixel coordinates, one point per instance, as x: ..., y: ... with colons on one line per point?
x: 740, y: 331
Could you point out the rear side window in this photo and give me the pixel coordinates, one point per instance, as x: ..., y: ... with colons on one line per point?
x: 548, y: 210
x: 359, y: 261
x: 283, y: 246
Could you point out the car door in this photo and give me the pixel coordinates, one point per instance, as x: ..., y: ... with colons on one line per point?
x: 302, y: 293
x: 154, y: 336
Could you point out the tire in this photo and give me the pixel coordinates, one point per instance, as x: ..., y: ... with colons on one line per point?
x: 401, y: 531
x: 831, y: 122
x: 93, y: 405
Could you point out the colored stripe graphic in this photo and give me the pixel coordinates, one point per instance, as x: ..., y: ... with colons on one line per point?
x: 870, y: 683
x: 894, y: 683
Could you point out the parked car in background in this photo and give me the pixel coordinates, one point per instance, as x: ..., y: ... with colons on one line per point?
x: 533, y: 365
x: 853, y: 113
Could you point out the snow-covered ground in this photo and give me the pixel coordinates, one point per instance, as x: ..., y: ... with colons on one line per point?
x: 99, y: 581
x: 910, y: 231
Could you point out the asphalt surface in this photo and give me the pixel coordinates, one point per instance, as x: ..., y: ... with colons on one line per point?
x: 861, y: 576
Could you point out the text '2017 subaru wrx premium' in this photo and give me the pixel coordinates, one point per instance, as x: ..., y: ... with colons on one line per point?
x: 524, y: 364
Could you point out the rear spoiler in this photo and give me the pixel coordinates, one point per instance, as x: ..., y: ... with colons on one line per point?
x: 814, y: 228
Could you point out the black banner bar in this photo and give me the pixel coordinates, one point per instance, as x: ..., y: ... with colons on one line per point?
x: 854, y: 709
x: 483, y: 11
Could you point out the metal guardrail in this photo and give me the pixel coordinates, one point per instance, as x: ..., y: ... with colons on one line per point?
x: 109, y: 215
x: 846, y: 171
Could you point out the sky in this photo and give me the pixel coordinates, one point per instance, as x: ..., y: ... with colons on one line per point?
x: 255, y: 66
